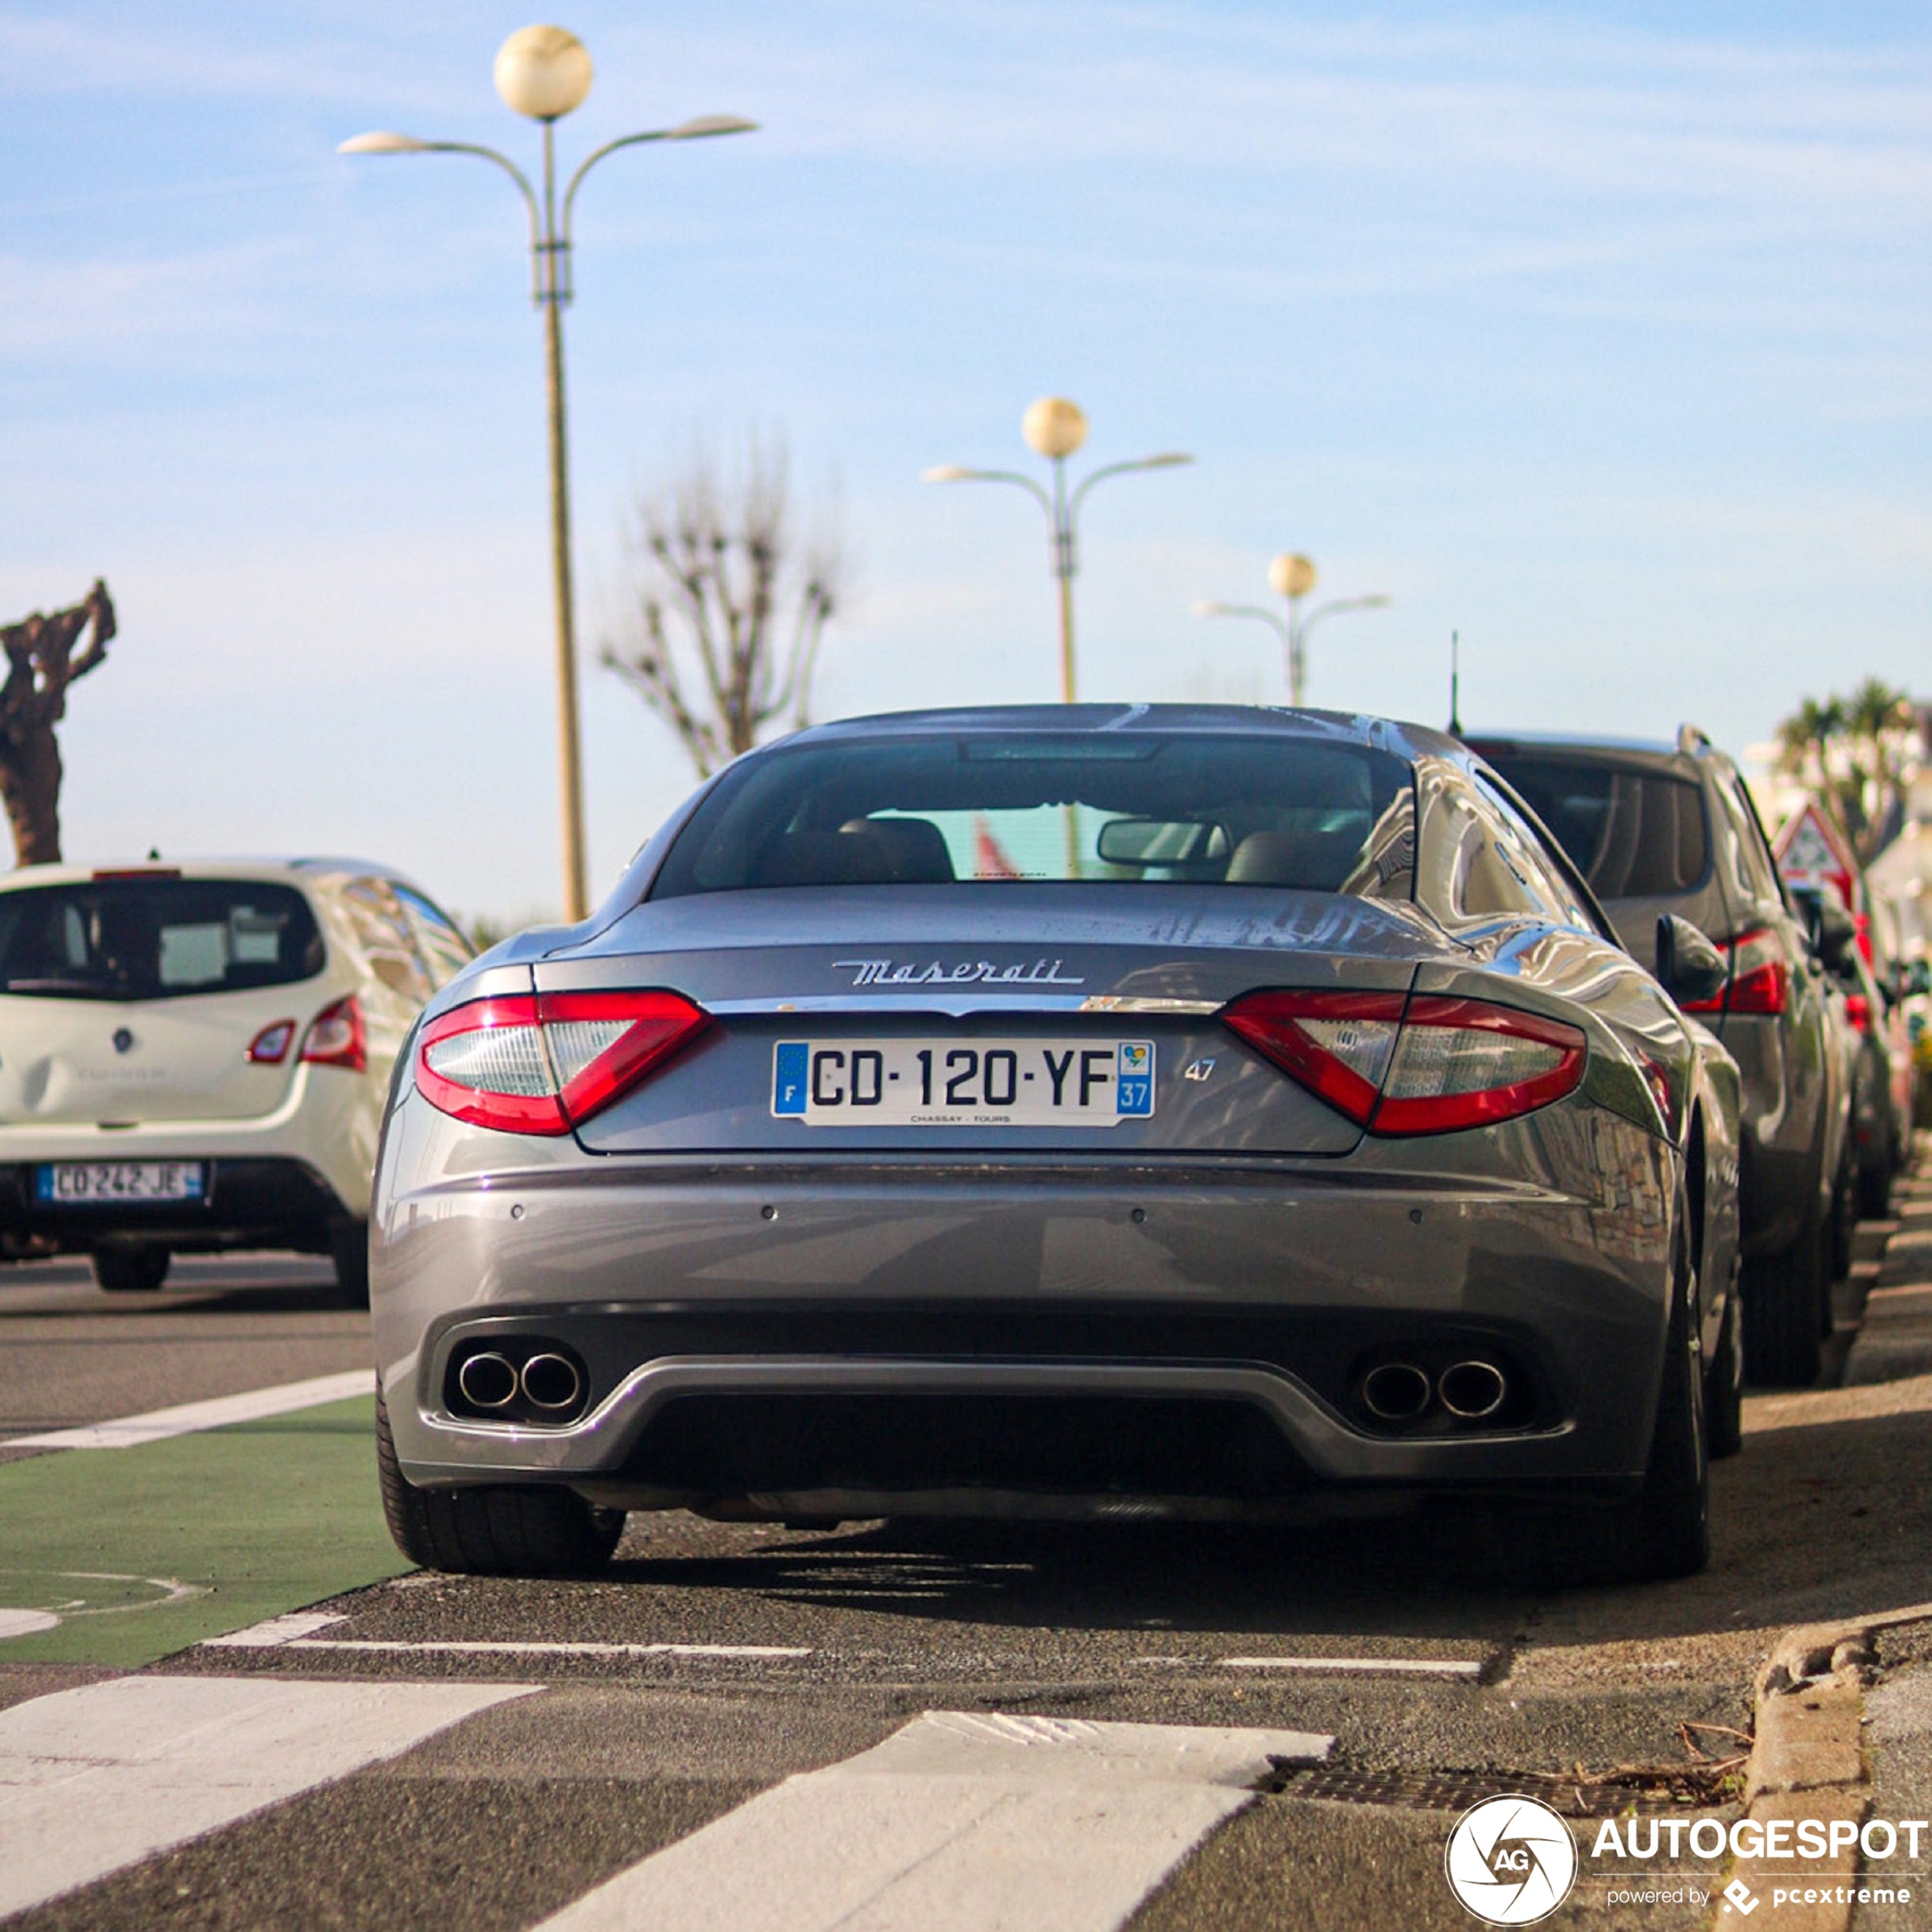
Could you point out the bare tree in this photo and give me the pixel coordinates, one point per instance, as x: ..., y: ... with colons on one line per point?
x: 731, y: 605
x: 42, y: 662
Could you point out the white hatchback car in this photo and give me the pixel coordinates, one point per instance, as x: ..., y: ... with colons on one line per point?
x: 195, y: 1057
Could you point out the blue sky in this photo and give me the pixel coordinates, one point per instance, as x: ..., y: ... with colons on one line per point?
x: 1598, y: 334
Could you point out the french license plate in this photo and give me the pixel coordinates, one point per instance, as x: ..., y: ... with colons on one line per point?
x: 951, y: 1083
x: 91, y: 1183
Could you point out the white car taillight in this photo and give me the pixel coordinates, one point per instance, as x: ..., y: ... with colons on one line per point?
x: 270, y: 1047
x: 1413, y: 1066
x: 336, y: 1037
x: 543, y: 1064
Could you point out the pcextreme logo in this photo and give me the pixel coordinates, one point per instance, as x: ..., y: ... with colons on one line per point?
x: 1511, y: 1860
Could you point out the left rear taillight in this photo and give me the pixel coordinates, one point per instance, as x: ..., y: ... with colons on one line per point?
x: 337, y: 1038
x: 270, y: 1047
x: 543, y: 1063
x: 1416, y: 1066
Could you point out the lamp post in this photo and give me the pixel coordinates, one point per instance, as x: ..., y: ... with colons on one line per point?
x: 544, y: 73
x: 1055, y: 428
x: 1292, y: 576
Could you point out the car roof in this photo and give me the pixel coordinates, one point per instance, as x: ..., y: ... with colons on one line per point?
x: 284, y: 871
x: 1080, y: 720
x: 1648, y: 753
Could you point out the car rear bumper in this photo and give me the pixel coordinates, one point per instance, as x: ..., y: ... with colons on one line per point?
x: 245, y: 1203
x: 326, y: 1123
x: 936, y: 1338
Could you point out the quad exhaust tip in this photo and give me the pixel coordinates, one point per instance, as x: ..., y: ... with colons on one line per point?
x: 1471, y: 1390
x: 1397, y: 1392
x: 551, y: 1382
x: 487, y: 1381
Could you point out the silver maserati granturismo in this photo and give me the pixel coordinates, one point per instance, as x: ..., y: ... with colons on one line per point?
x: 1078, y: 1113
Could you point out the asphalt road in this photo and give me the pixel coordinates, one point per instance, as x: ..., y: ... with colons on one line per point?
x: 716, y: 1660
x: 69, y: 1354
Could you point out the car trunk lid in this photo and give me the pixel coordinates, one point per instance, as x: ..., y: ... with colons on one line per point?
x: 1039, y: 972
x: 117, y: 1063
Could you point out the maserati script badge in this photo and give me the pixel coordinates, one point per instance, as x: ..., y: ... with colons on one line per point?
x: 983, y: 972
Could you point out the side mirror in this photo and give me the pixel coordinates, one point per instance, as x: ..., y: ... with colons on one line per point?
x: 1835, y: 932
x: 1689, y: 967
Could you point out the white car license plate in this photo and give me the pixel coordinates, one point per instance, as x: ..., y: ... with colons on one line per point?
x: 956, y: 1083
x: 111, y: 1183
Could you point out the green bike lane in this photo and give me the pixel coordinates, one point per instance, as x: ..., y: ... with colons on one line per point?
x: 115, y: 1557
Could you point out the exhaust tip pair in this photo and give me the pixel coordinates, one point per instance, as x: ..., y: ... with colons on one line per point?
x: 1471, y: 1391
x: 549, y: 1383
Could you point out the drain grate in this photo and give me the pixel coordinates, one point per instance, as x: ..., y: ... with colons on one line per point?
x: 1456, y: 1790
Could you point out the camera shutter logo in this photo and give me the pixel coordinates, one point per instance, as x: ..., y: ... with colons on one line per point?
x: 1511, y: 1860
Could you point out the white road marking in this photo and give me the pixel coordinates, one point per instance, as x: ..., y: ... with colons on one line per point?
x: 1362, y: 1666
x: 976, y: 1823
x: 276, y: 1630
x: 1462, y: 1669
x: 453, y: 1646
x: 92, y: 1780
x: 191, y: 1417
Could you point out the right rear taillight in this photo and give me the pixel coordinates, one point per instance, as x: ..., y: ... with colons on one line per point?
x: 543, y: 1063
x: 1760, y: 974
x: 1413, y: 1066
x: 1337, y: 1044
x: 1760, y: 977
x: 1465, y: 1063
x: 337, y: 1038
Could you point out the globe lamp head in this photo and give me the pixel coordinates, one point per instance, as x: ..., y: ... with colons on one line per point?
x: 1292, y: 576
x: 543, y: 72
x: 1054, y: 427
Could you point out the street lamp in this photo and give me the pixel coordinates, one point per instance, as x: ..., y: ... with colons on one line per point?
x: 1292, y: 576
x: 543, y: 73
x: 1055, y: 428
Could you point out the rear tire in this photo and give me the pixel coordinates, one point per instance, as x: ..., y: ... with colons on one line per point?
x: 130, y: 1270
x: 348, y: 1248
x: 1723, y: 1386
x: 1783, y: 1296
x: 1844, y: 1225
x: 1664, y: 1530
x: 508, y: 1530
x: 1875, y: 1186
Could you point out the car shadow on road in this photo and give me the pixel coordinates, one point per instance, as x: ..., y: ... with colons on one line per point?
x: 1048, y: 1577
x: 1827, y: 1514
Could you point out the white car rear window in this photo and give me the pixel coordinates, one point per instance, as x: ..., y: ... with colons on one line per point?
x: 150, y: 937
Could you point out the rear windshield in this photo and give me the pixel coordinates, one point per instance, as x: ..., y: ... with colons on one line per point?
x: 151, y: 939
x: 1632, y: 834
x: 1199, y: 810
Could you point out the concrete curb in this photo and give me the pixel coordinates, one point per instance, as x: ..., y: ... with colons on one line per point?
x: 1807, y: 1761
x: 1807, y: 1755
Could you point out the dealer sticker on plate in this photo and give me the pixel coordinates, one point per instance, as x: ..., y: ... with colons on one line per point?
x: 944, y: 1083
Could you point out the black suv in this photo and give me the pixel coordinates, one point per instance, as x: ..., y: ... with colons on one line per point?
x: 1671, y: 829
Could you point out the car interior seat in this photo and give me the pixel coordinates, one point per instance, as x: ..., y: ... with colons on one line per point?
x: 1311, y: 862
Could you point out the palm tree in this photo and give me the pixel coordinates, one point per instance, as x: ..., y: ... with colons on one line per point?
x: 1857, y: 755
